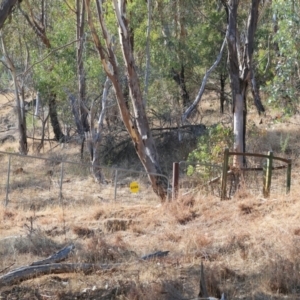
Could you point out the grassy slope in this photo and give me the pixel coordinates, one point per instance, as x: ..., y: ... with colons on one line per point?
x: 249, y: 245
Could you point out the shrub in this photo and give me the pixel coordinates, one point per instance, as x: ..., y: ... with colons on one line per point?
x: 210, y: 148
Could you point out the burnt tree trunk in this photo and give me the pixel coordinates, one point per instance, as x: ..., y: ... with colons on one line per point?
x: 23, y: 145
x: 58, y: 134
x: 180, y: 80
x: 222, y: 91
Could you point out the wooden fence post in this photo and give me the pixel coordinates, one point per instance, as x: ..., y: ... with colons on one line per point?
x: 175, y: 180
x: 288, y: 176
x: 7, y: 181
x: 224, y: 175
x: 268, y: 175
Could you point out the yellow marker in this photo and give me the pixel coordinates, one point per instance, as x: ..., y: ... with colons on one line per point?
x: 134, y: 187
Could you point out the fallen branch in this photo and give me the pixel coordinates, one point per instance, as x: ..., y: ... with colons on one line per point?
x: 155, y: 255
x: 216, y: 179
x: 3, y: 270
x: 55, y: 258
x: 50, y: 266
x: 29, y: 272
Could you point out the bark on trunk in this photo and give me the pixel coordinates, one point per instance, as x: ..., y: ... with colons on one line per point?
x: 93, y: 137
x: 180, y: 80
x: 255, y: 93
x: 238, y: 129
x: 6, y: 8
x: 59, y: 136
x: 137, y: 126
x: 23, y: 145
x: 148, y: 57
x: 41, y: 144
x: 240, y: 69
x: 80, y: 14
x: 140, y: 131
x: 222, y: 92
x: 19, y: 101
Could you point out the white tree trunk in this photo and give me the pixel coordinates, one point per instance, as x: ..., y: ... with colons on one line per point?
x: 37, y: 105
x: 147, y: 70
x: 238, y: 130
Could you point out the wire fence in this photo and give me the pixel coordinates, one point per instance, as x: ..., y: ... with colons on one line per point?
x: 31, y: 181
x: 258, y: 178
x: 196, y: 176
x: 263, y: 174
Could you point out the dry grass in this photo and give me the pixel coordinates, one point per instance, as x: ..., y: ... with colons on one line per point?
x: 249, y: 245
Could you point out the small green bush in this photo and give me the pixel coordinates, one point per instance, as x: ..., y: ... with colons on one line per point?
x: 210, y: 148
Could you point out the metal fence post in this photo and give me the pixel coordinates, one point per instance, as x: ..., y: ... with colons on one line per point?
x: 7, y: 181
x: 61, y: 182
x: 268, y: 175
x: 224, y: 174
x: 288, y: 176
x: 116, y: 181
x: 175, y: 180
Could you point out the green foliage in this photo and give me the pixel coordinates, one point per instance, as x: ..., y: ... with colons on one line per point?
x: 210, y: 147
x: 284, y: 142
x: 283, y: 87
x: 31, y: 121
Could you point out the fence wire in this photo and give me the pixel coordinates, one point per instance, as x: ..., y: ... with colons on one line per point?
x: 253, y: 178
x: 204, y: 176
x: 34, y: 182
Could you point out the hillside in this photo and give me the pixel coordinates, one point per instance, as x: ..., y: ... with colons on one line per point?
x: 249, y: 245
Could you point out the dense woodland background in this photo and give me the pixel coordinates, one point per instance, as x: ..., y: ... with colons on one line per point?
x: 97, y: 69
x: 139, y: 85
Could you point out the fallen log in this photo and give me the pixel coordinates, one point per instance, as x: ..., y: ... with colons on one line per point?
x: 155, y: 255
x: 30, y: 272
x: 50, y: 265
x: 55, y: 258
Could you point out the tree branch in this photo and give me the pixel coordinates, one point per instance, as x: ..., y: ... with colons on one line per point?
x: 188, y: 112
x: 46, y: 56
x: 29, y: 272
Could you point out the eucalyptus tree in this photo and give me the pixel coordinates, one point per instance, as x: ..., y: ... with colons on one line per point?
x: 84, y: 116
x: 192, y: 34
x: 281, y: 57
x: 39, y: 25
x: 240, y: 61
x: 19, y: 92
x: 80, y: 36
x: 135, y: 121
x: 6, y: 8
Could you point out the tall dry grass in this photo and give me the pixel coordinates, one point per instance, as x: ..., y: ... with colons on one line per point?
x: 249, y: 245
